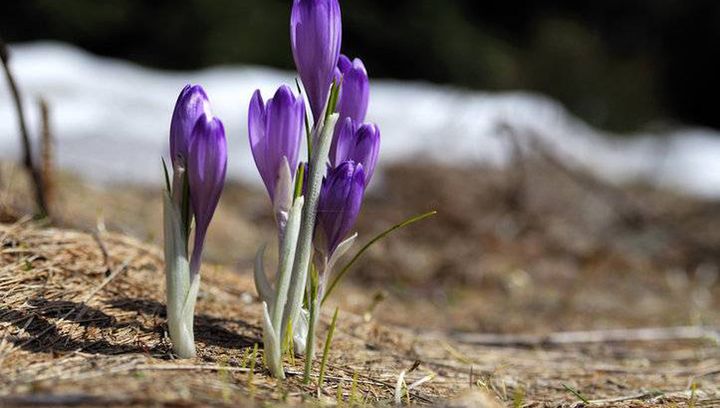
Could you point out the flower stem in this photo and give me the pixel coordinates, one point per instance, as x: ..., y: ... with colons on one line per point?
x: 314, y: 309
x: 307, y: 227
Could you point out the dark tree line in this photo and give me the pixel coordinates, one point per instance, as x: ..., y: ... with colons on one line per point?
x: 617, y: 63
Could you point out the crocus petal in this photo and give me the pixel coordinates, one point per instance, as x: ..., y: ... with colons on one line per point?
x: 315, y: 36
x: 191, y: 104
x: 360, y: 144
x: 344, y: 64
x: 343, y: 142
x: 340, y: 201
x: 275, y: 131
x: 207, y: 166
x: 366, y: 149
x: 355, y: 90
x: 257, y: 119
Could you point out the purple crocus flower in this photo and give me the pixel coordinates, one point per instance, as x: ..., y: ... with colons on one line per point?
x: 339, y: 203
x: 355, y: 90
x: 191, y: 103
x: 275, y: 131
x: 359, y: 143
x: 207, y: 165
x: 315, y: 37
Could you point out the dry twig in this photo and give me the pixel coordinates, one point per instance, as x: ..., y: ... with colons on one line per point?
x: 28, y: 160
x: 592, y: 336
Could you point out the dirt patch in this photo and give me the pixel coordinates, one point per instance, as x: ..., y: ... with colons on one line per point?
x: 533, y: 286
x: 82, y: 328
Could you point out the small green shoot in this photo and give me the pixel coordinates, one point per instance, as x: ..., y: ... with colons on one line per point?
x: 518, y: 397
x: 399, y: 388
x: 353, y: 389
x: 576, y: 393
x: 326, y: 350
x: 288, y: 345
x: 224, y: 378
x: 285, y: 394
x: 339, y: 394
x: 245, y: 358
x: 362, y: 250
x: 693, y: 395
x: 253, y: 360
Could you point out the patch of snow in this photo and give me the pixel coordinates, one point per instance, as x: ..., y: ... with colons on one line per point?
x: 111, y: 119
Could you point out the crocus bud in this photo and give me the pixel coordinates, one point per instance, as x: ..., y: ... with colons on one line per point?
x: 191, y: 103
x: 355, y: 90
x: 315, y: 37
x: 207, y: 165
x: 275, y: 131
x: 360, y: 144
x: 339, y: 204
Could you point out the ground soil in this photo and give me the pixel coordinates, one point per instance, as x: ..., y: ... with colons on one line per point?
x: 531, y: 287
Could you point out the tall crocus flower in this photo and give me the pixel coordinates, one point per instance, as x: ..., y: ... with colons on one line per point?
x: 354, y: 93
x: 315, y: 37
x: 199, y: 158
x: 207, y: 165
x: 275, y: 129
x: 360, y: 144
x: 340, y: 201
x: 191, y: 103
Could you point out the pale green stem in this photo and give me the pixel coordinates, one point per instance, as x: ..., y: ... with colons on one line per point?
x: 181, y: 293
x: 287, y: 258
x: 310, y: 342
x: 307, y: 226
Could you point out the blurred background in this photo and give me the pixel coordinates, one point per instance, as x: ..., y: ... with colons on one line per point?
x: 619, y: 65
x: 572, y: 148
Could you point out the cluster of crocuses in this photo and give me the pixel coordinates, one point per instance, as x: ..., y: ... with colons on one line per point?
x: 315, y: 202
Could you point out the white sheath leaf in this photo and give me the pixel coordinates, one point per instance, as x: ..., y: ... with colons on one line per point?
x: 341, y: 250
x: 262, y: 285
x: 273, y: 350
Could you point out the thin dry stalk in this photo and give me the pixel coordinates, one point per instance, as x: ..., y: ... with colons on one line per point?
x: 47, y: 153
x: 28, y: 160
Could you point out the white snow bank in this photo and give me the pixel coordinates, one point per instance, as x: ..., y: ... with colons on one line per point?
x: 111, y: 119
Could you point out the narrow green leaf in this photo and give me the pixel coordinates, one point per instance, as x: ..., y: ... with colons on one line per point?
x: 167, y: 176
x: 186, y: 211
x: 307, y: 121
x: 288, y: 345
x: 299, y: 177
x: 362, y: 250
x: 576, y: 393
x: 310, y: 342
x: 332, y: 99
x: 326, y: 349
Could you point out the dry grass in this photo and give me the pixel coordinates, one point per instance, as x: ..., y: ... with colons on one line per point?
x: 529, y: 254
x: 82, y: 329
